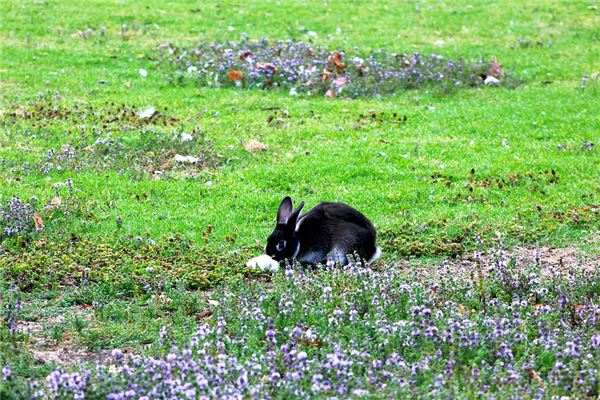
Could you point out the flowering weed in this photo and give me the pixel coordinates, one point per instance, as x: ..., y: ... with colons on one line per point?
x: 301, y: 67
x: 354, y: 332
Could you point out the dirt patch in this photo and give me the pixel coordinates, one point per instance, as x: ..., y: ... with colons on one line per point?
x: 46, y: 110
x: 67, y: 353
x: 552, y: 261
x: 557, y: 260
x: 64, y: 351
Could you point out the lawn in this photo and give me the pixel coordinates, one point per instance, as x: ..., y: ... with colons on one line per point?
x: 135, y: 242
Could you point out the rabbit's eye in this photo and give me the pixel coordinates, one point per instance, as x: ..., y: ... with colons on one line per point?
x: 281, y: 245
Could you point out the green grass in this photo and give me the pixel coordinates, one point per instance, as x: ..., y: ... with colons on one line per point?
x: 414, y: 180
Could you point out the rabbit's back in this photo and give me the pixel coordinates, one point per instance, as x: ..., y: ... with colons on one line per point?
x: 336, y: 229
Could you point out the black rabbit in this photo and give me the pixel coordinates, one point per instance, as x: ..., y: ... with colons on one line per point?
x: 328, y: 230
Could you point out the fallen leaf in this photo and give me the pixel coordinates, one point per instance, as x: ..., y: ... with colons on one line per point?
x: 325, y: 74
x: 534, y: 375
x: 330, y: 94
x: 311, y: 343
x: 254, y: 145
x: 462, y: 309
x: 246, y: 55
x: 143, y: 72
x: 336, y: 60
x: 235, y: 75
x: 578, y: 308
x: 495, y: 69
x: 267, y: 67
x: 54, y: 203
x: 203, y: 314
x: 39, y: 223
x: 147, y: 112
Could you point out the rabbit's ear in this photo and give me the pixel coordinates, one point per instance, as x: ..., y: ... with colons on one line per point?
x: 285, y: 210
x: 294, y: 217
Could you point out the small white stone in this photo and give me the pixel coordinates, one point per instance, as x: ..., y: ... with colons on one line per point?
x: 143, y: 72
x: 147, y: 112
x: 186, y: 159
x: 186, y: 137
x: 491, y: 81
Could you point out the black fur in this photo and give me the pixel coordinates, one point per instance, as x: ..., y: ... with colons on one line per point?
x: 329, y: 229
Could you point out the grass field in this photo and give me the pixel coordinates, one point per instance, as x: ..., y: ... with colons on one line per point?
x: 134, y: 241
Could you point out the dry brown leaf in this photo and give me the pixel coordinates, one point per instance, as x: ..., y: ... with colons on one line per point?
x: 246, y: 54
x: 578, y: 308
x: 272, y: 69
x: 534, y: 375
x: 495, y: 69
x: 462, y: 309
x: 311, y: 343
x: 325, y: 74
x: 203, y: 314
x: 254, y: 145
x: 39, y: 223
x: 336, y: 60
x: 235, y: 75
x: 329, y: 94
x: 54, y: 203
